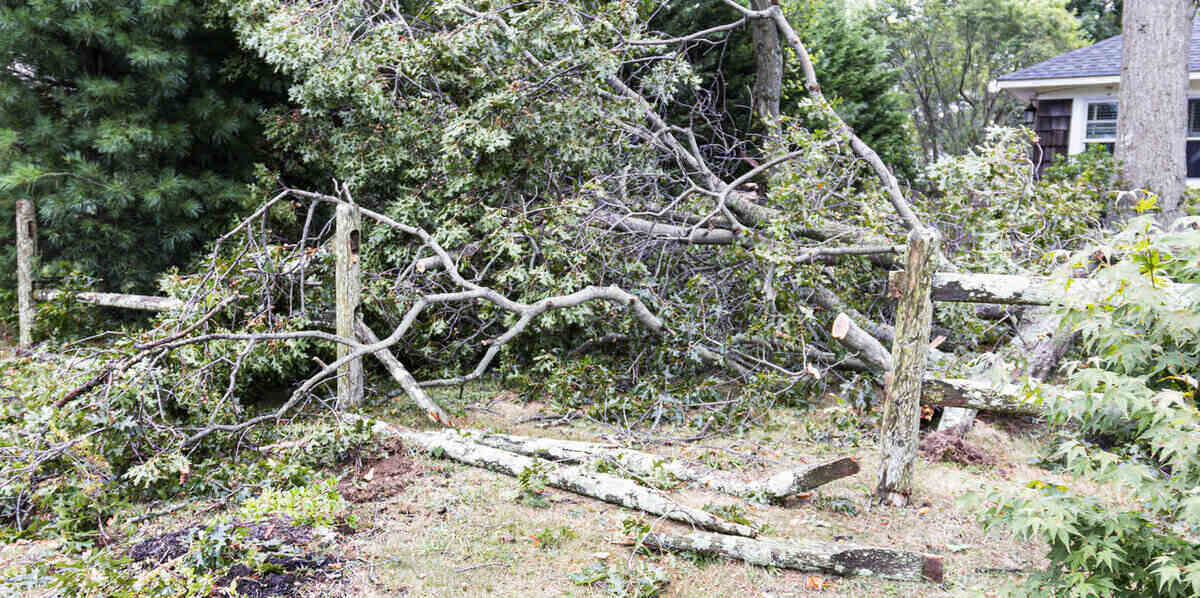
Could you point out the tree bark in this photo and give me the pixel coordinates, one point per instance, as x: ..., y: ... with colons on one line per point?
x: 776, y: 487
x: 26, y: 248
x: 1152, y: 115
x: 348, y: 297
x: 608, y: 488
x: 836, y: 559
x: 768, y: 71
x: 902, y: 388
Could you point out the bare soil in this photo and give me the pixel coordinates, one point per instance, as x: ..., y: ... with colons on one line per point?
x: 380, y: 477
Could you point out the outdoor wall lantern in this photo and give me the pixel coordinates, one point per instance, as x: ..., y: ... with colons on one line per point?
x: 1029, y: 115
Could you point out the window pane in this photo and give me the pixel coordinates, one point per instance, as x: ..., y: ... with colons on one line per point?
x: 1193, y: 118
x: 1193, y: 159
x: 1101, y: 130
x: 1102, y: 111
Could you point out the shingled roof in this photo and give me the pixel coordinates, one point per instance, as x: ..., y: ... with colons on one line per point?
x: 1097, y: 60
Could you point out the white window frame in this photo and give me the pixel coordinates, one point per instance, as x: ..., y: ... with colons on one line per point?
x: 1087, y: 120
x: 1077, y: 139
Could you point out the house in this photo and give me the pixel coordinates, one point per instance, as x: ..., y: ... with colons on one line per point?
x: 1074, y: 100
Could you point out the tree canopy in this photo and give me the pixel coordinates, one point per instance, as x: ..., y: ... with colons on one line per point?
x: 949, y: 50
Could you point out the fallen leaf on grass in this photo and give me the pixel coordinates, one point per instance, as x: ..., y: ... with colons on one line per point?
x: 815, y: 583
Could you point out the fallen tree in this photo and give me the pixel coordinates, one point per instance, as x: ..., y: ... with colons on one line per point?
x: 734, y: 540
x: 1014, y: 289
x: 778, y: 486
x: 608, y: 488
x: 123, y: 301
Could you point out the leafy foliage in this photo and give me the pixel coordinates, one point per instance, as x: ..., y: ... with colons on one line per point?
x: 991, y: 209
x: 1132, y: 424
x: 1099, y: 19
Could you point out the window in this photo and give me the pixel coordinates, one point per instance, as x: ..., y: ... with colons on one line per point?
x: 1101, y: 129
x: 1193, y: 139
x: 1102, y: 124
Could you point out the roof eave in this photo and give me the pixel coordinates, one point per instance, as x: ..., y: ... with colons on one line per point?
x: 1026, y: 89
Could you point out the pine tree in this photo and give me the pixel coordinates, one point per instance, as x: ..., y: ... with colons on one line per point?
x: 131, y: 123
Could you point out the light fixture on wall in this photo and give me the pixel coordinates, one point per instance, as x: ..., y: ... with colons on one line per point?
x: 1029, y: 115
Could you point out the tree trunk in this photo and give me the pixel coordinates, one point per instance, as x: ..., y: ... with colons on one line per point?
x: 768, y: 71
x: 1015, y: 289
x: 902, y: 388
x: 975, y: 395
x: 605, y: 487
x: 1152, y: 115
x: 837, y: 559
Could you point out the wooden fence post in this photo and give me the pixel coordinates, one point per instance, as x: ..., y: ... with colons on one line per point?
x: 26, y: 248
x: 902, y: 386
x: 349, y: 296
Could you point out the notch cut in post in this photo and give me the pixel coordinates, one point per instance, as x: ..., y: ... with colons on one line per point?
x: 26, y: 248
x: 902, y: 386
x: 349, y: 297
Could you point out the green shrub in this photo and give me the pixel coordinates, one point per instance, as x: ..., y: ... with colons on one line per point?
x: 1130, y: 424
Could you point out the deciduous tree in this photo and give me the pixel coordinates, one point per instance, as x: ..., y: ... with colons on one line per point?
x: 949, y: 50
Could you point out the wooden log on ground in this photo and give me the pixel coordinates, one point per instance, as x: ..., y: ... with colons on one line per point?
x: 119, y: 300
x: 836, y: 559
x: 402, y: 376
x: 777, y: 487
x: 608, y: 488
x: 26, y: 248
x: 902, y: 386
x: 348, y: 297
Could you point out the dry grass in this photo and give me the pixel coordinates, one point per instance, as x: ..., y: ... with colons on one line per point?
x: 458, y: 531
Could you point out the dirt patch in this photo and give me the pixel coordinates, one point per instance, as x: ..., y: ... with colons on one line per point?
x: 283, y: 575
x: 161, y: 549
x: 295, y: 571
x: 165, y: 547
x: 380, y: 478
x: 949, y: 445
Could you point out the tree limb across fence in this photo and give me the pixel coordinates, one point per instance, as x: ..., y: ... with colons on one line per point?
x: 1013, y: 289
